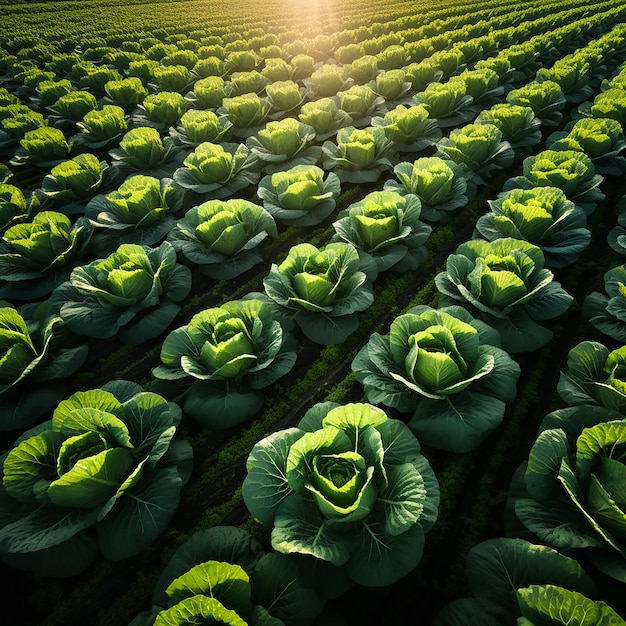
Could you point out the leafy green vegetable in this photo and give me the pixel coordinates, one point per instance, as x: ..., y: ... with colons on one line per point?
x: 605, y: 310
x: 102, y: 476
x: 386, y: 229
x: 542, y: 216
x: 321, y: 289
x: 300, y: 196
x: 132, y: 293
x: 218, y: 363
x: 505, y: 283
x: 348, y: 486
x: 221, y: 236
x: 446, y: 368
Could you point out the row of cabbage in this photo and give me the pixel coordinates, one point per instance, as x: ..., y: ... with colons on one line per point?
x: 317, y: 418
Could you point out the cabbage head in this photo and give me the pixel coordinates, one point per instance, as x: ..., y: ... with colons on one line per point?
x: 219, y: 169
x: 141, y: 211
x: 606, y: 311
x: 444, y: 367
x: 43, y: 147
x: 208, y: 93
x: 518, y: 124
x: 103, y: 476
x: 505, y: 283
x: 284, y: 96
x: 246, y: 112
x: 126, y: 93
x: 300, y: 196
x: 161, y: 110
x: 601, y: 139
x: 478, y: 146
x: 132, y: 293
x: 222, y: 573
x: 360, y: 102
x: 409, y: 127
x: 218, y: 364
x: 72, y: 107
x: 348, y: 486
x: 198, y: 127
x: 386, y: 229
x: 440, y: 185
x: 326, y: 81
x: 285, y: 142
x: 142, y: 150
x: 37, y: 352
x: 14, y: 207
x: 542, y: 216
x: 324, y: 116
x: 569, y: 492
x: 448, y: 103
x: 321, y: 289
x: 102, y: 128
x: 37, y: 256
x: 221, y: 236
x: 595, y: 375
x: 359, y: 154
x: 545, y: 98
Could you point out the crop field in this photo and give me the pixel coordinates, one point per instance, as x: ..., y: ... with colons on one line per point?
x: 313, y: 312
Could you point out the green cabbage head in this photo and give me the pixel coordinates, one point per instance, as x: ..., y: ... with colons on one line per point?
x: 444, y: 367
x: 218, y: 363
x: 321, y: 289
x: 105, y: 469
x: 348, y: 486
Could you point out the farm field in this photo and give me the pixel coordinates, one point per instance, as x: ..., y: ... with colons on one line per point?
x: 314, y: 299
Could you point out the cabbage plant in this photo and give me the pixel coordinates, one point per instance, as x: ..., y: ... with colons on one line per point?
x: 359, y: 156
x: 247, y: 113
x: 71, y: 108
x: 504, y: 283
x: 220, y: 169
x: 142, y: 210
x: 595, y: 375
x: 440, y: 185
x: 448, y: 103
x: 518, y: 124
x: 386, y: 229
x: 482, y: 84
x: 321, y: 289
x: 300, y: 196
x: 246, y: 82
x: 16, y: 121
x: 132, y: 294
x: 545, y: 98
x: 73, y: 183
x: 571, y: 75
x: 568, y: 493
x: 283, y: 143
x: 198, y: 127
x: 447, y: 369
x: 284, y: 96
x: 409, y: 128
x: 38, y: 353
x: 478, y: 146
x: 223, y: 574
x: 222, y: 236
x: 102, y: 128
x: 127, y: 93
x: 360, y: 102
x: 568, y: 170
x: 103, y: 476
x: 508, y: 576
x: 208, y: 93
x: 348, y: 486
x: 142, y: 150
x: 43, y: 147
x: 325, y: 117
x: 160, y: 110
x: 326, y: 81
x: 542, y: 216
x: 391, y: 85
x: 607, y: 104
x: 605, y: 311
x: 38, y: 255
x: 219, y: 363
x: 601, y: 139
